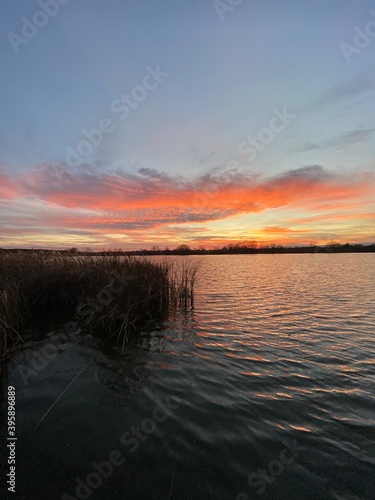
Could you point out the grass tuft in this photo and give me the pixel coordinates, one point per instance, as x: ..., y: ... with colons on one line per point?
x: 108, y: 296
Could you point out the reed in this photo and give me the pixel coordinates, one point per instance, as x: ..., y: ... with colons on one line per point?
x: 106, y: 295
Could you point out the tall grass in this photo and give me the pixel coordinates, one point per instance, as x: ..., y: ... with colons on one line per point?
x: 109, y: 296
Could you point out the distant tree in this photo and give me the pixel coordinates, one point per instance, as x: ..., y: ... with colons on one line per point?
x: 333, y: 244
x: 252, y: 244
x: 183, y: 248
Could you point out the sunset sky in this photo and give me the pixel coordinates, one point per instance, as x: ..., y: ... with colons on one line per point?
x: 209, y: 123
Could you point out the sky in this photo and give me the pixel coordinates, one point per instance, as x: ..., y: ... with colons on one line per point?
x: 133, y: 124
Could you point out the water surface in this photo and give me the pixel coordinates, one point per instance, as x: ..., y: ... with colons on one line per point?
x: 277, y: 355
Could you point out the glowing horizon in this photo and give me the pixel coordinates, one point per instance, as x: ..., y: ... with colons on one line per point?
x: 91, y: 210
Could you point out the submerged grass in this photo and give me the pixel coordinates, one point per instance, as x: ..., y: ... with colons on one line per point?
x: 107, y: 295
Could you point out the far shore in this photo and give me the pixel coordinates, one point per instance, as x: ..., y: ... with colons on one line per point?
x: 232, y: 249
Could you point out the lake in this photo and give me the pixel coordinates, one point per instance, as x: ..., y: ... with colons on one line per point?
x: 266, y: 389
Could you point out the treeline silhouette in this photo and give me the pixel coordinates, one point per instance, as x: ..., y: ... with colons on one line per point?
x: 235, y: 248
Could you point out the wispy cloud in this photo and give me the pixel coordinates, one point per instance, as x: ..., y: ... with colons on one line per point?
x: 205, y: 157
x: 344, y: 92
x: 341, y: 141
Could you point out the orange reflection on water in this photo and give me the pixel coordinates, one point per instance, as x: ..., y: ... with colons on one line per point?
x: 265, y: 396
x: 252, y: 374
x: 284, y: 394
x: 300, y: 428
x: 300, y: 375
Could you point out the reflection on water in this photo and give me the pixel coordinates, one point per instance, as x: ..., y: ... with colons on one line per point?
x: 270, y: 381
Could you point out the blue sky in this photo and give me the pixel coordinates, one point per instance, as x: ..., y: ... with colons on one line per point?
x: 226, y: 77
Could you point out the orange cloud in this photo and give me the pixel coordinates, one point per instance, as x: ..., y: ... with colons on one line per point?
x: 152, y: 206
x: 282, y: 230
x: 231, y: 191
